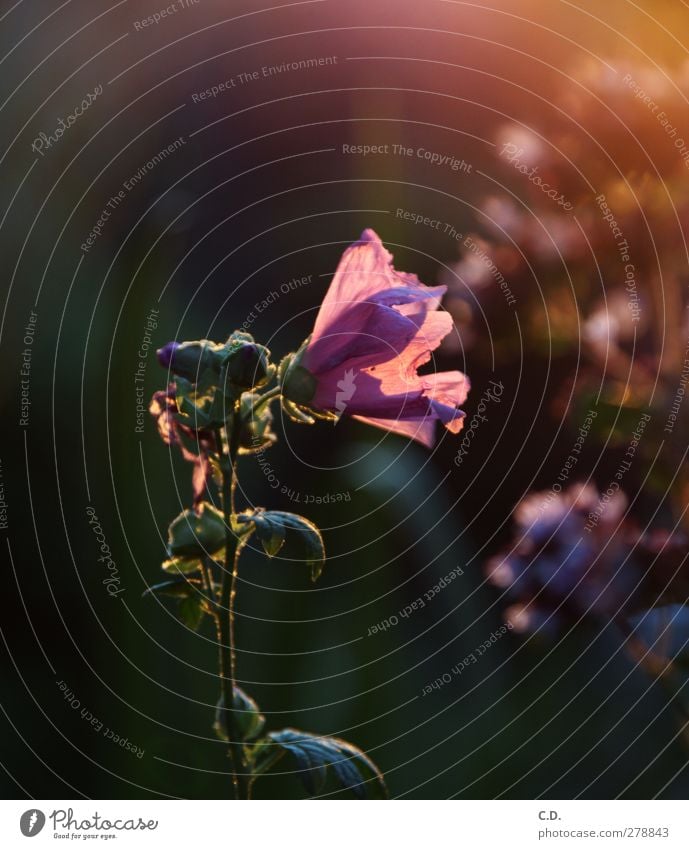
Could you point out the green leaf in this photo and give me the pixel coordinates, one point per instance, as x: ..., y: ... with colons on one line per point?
x: 272, y: 536
x: 190, y: 414
x: 176, y: 587
x: 275, y: 528
x: 189, y: 593
x: 248, y: 717
x: 191, y: 611
x: 204, y: 404
x: 195, y: 533
x: 314, y: 755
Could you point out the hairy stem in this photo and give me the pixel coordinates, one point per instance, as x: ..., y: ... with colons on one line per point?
x: 207, y: 582
x: 228, y: 589
x: 269, y: 396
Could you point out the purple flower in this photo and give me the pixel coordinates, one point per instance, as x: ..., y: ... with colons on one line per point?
x: 376, y: 327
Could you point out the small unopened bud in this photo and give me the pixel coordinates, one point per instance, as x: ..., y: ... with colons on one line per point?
x: 189, y: 359
x: 248, y: 365
x: 255, y: 433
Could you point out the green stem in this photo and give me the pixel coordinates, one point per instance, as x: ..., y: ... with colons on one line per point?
x: 241, y: 778
x: 207, y: 578
x: 269, y: 396
x: 228, y: 589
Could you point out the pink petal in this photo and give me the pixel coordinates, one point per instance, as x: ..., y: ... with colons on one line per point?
x: 365, y: 329
x: 388, y: 386
x: 435, y: 397
x: 395, y: 397
x: 410, y: 300
x: 365, y: 271
x: 390, y: 347
x: 449, y: 387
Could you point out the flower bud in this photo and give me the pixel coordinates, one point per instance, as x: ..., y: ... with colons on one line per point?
x: 190, y: 359
x: 255, y: 432
x: 248, y: 717
x: 247, y: 365
x: 195, y: 533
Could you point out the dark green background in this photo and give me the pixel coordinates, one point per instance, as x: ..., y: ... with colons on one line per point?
x: 531, y: 718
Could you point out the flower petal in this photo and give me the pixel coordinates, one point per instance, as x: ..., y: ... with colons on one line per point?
x: 364, y: 329
x: 394, y: 397
x: 365, y: 274
x: 375, y: 329
x: 446, y: 391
